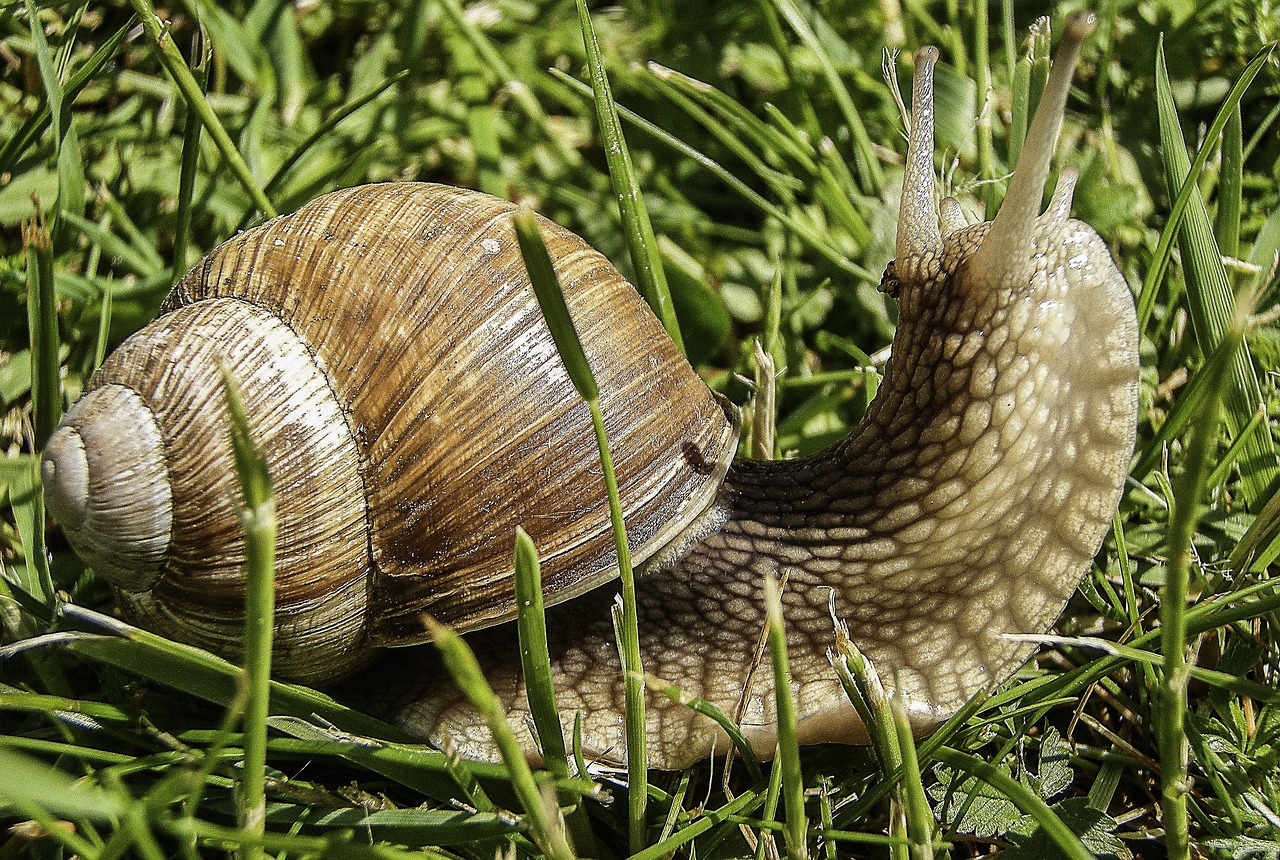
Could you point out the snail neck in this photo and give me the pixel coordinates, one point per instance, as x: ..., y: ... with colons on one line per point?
x: 964, y: 506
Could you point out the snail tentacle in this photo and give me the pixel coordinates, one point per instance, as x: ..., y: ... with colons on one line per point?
x: 1006, y: 248
x: 919, y: 240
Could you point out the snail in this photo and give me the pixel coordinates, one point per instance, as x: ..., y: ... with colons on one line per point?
x: 406, y: 393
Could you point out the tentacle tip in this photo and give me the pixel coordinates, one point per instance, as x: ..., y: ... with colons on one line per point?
x: 1060, y: 204
x: 951, y: 215
x: 1079, y: 26
x: 927, y: 55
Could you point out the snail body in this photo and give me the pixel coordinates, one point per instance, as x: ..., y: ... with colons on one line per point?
x: 965, y: 505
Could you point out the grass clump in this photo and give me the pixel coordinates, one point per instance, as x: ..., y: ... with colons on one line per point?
x: 767, y: 150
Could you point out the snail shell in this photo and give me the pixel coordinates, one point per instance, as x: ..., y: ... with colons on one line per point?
x: 407, y: 394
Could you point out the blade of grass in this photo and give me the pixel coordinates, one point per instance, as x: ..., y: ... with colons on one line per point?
x: 1211, y: 301
x: 788, y: 746
x: 920, y: 820
x: 740, y: 805
x: 481, y: 117
x: 986, y: 166
x: 66, y: 144
x: 774, y: 141
x: 1021, y: 796
x: 27, y: 500
x: 784, y: 51
x: 520, y: 92
x: 807, y: 233
x: 765, y: 846
x: 201, y: 50
x: 1226, y: 224
x: 1031, y: 76
x: 532, y: 625
x: 48, y: 75
x: 864, y: 689
x: 1258, y: 545
x: 1187, y: 185
x: 746, y: 142
x: 462, y: 665
x: 546, y: 287
x: 325, y: 129
x: 34, y: 126
x: 42, y: 324
x: 171, y: 58
x: 531, y: 622
x: 764, y: 405
x: 636, y: 227
x: 258, y: 519
x: 1189, y: 488
x: 871, y: 177
x: 104, y: 324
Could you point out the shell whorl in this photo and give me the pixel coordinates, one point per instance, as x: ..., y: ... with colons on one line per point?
x: 192, y: 589
x: 119, y: 520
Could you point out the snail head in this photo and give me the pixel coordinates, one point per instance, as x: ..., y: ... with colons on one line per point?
x: 941, y: 259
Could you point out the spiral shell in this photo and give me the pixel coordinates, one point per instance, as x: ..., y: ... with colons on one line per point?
x: 407, y: 394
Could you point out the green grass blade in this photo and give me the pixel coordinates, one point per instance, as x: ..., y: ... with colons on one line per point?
x: 532, y: 624
x: 200, y: 49
x: 1259, y: 546
x: 26, y: 497
x: 740, y: 805
x: 104, y: 324
x: 1189, y: 489
x: 807, y: 233
x: 1021, y: 796
x: 636, y: 228
x: 42, y: 325
x: 325, y: 130
x: 176, y: 66
x: 870, y: 175
x: 1211, y: 301
x: 788, y: 747
x: 744, y: 140
x: 1187, y: 177
x: 546, y: 286
x: 1226, y: 222
x: 986, y: 166
x: 515, y: 84
x: 48, y: 74
x: 16, y: 146
x: 769, y: 815
x: 764, y: 404
x: 862, y: 685
x: 920, y: 820
x: 785, y: 53
x: 258, y: 518
x: 777, y: 142
x: 551, y: 299
x: 45, y: 792
x: 481, y: 118
x: 461, y: 663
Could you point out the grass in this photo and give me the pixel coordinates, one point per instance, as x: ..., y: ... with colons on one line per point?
x: 765, y: 147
